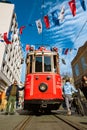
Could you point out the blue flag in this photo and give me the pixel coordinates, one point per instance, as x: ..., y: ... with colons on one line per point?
x: 55, y: 17
x: 83, y: 4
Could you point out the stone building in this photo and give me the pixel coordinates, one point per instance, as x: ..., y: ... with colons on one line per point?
x: 10, y: 54
x: 79, y: 64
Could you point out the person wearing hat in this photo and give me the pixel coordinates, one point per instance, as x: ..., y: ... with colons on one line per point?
x: 12, y: 94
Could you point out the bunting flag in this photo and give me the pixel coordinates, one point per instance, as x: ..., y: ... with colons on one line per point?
x: 65, y: 51
x: 39, y: 26
x: 27, y: 47
x: 1, y: 40
x: 30, y: 24
x: 72, y: 7
x: 9, y: 35
x: 1, y: 36
x: 46, y: 21
x: 63, y: 61
x: 83, y: 4
x: 61, y: 15
x: 21, y: 29
x: 55, y: 17
x: 6, y: 39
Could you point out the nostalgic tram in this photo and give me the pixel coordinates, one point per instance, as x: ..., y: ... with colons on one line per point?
x: 43, y: 81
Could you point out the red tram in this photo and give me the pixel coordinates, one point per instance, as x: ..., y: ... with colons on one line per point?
x: 43, y: 81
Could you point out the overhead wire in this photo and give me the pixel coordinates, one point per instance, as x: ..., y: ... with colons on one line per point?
x: 80, y: 31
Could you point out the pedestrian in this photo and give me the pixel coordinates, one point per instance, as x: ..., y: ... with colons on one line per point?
x: 0, y: 98
x: 12, y: 96
x: 68, y: 88
x: 3, y: 101
x: 83, y: 86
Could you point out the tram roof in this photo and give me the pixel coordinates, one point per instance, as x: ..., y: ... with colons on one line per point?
x: 45, y: 52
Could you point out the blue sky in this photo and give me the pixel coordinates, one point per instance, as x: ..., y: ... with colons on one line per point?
x: 71, y: 33
x: 63, y: 36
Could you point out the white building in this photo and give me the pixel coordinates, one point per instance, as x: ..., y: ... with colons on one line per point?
x: 10, y: 54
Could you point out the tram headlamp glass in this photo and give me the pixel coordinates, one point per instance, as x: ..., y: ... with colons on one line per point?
x: 43, y: 87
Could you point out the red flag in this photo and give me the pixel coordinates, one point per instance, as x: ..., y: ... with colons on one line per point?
x: 72, y: 7
x: 21, y: 29
x: 66, y: 51
x: 46, y: 21
x: 6, y: 39
x: 27, y: 47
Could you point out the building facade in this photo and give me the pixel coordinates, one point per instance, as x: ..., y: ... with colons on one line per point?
x: 79, y: 65
x: 10, y: 54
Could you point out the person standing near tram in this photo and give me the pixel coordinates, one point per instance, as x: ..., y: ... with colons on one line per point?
x: 68, y: 88
x: 83, y: 86
x: 12, y: 96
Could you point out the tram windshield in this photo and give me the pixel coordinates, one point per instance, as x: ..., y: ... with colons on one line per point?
x: 38, y: 64
x: 47, y: 63
x: 43, y: 61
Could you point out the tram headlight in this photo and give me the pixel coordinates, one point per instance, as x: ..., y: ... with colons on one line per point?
x: 43, y: 87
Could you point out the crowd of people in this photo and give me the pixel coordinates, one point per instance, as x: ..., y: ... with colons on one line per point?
x: 11, y: 96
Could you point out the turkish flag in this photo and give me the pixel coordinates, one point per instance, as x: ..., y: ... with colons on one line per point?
x: 21, y: 29
x: 46, y: 21
x: 27, y: 47
x: 72, y: 7
x: 6, y: 39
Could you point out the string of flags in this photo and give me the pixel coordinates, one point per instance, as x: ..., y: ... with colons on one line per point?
x: 56, y: 16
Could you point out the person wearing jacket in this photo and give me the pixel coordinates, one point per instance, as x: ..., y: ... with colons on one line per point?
x: 12, y: 94
x: 68, y: 88
x: 83, y: 86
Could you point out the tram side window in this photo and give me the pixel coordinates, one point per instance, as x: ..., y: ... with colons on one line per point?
x: 29, y: 64
x: 38, y: 64
x: 55, y: 66
x: 47, y: 63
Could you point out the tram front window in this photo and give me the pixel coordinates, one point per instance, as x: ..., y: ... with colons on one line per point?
x: 38, y: 64
x: 47, y: 63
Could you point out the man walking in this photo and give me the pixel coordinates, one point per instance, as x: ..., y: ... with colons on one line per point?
x: 12, y: 96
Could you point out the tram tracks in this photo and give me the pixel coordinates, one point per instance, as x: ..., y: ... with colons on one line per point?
x: 22, y: 125
x: 58, y: 120
x: 71, y: 123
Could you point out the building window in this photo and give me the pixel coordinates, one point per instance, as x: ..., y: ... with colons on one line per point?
x: 83, y: 63
x: 76, y: 69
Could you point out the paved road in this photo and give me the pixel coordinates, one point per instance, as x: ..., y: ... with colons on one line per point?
x: 42, y: 121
